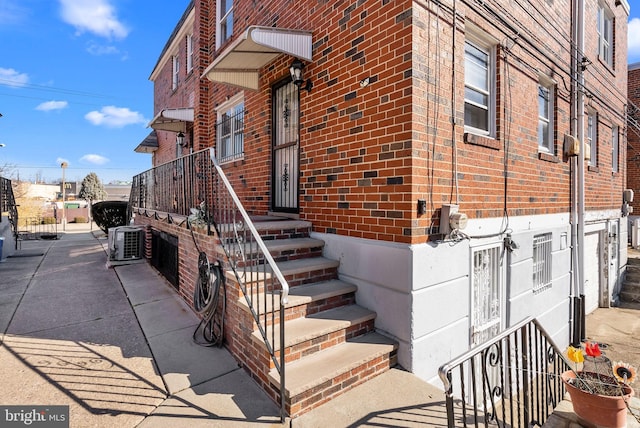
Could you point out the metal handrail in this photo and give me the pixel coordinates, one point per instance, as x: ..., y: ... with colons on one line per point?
x: 511, y: 380
x: 197, y: 180
x: 276, y: 271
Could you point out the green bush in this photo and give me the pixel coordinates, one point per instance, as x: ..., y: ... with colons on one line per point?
x: 109, y: 214
x: 80, y: 219
x: 48, y: 220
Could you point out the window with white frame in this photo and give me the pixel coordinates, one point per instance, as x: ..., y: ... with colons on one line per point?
x: 545, y: 117
x: 605, y: 35
x: 592, y: 138
x: 479, y: 87
x: 176, y: 72
x: 224, y: 22
x: 541, y: 262
x: 230, y: 130
x: 615, y: 148
x: 189, y: 53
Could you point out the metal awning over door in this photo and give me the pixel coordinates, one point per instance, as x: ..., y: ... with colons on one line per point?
x: 240, y: 62
x: 172, y: 119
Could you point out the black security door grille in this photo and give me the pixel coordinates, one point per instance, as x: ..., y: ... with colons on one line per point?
x: 286, y: 146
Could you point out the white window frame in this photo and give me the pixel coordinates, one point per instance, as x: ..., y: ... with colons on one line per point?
x: 542, y: 262
x: 592, y: 138
x: 223, y: 22
x: 189, y: 53
x: 546, y: 146
x: 487, y: 47
x: 230, y: 145
x: 615, y: 148
x: 175, y: 64
x: 604, y: 27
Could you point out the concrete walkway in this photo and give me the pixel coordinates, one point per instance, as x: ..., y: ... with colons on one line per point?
x: 115, y: 345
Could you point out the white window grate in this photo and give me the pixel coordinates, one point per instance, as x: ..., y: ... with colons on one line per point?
x: 486, y: 294
x: 541, y: 262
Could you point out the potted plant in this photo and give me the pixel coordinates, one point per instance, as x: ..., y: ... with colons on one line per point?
x: 599, y: 391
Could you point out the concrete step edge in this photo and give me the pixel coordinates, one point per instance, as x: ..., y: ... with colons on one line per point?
x: 287, y: 268
x: 313, y: 326
x: 308, y: 293
x: 293, y: 243
x: 316, y: 369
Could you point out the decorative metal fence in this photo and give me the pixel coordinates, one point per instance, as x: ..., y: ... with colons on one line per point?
x: 8, y: 205
x: 510, y: 381
x: 197, y: 181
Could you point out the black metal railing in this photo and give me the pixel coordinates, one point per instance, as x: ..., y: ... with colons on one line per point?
x: 511, y: 381
x: 8, y: 205
x: 176, y: 186
x: 198, y: 182
x: 37, y: 227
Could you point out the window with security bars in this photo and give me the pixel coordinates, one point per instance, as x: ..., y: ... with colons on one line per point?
x: 541, y: 262
x: 230, y: 133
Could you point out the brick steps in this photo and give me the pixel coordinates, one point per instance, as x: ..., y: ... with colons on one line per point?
x: 296, y: 272
x: 330, y: 341
x: 334, y: 325
x: 310, y: 295
x: 315, y: 379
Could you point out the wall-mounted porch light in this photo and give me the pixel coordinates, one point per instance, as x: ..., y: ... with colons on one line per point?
x: 297, y: 77
x: 180, y: 139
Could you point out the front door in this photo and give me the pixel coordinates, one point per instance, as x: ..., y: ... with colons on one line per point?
x: 285, y: 147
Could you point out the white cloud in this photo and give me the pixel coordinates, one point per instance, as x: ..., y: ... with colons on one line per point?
x: 95, y: 16
x: 97, y: 49
x: 633, y: 38
x: 10, y: 77
x: 12, y: 13
x: 52, y: 105
x: 94, y: 159
x: 115, y: 117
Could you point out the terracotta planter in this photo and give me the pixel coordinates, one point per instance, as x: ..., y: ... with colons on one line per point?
x: 599, y: 411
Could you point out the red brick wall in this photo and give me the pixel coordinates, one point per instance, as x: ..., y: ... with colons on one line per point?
x: 368, y: 154
x: 185, y: 95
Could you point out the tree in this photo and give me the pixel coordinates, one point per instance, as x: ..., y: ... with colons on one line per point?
x: 92, y: 188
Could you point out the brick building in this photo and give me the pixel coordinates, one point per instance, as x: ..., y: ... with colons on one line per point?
x: 432, y: 147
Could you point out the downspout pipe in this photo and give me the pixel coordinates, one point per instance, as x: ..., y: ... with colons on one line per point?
x: 580, y: 312
x: 577, y: 175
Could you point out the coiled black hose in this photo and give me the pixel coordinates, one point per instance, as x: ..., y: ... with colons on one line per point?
x: 206, y: 301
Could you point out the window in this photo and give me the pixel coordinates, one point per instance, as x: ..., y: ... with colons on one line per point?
x: 592, y: 138
x: 230, y: 130
x: 545, y: 118
x: 224, y: 28
x: 615, y: 148
x: 176, y: 72
x: 189, y: 53
x: 605, y: 35
x: 479, y: 96
x: 541, y: 262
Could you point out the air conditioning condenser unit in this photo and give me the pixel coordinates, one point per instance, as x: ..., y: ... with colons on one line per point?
x: 126, y: 244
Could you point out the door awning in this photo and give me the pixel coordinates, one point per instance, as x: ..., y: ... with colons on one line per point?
x: 240, y: 62
x: 149, y: 144
x: 172, y: 119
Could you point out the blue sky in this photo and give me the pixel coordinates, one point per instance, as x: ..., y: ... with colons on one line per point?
x: 74, y: 83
